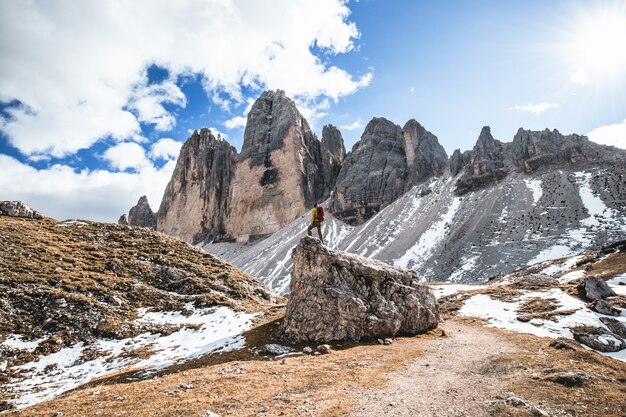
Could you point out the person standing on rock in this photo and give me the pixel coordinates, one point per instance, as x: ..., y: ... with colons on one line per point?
x: 317, y: 220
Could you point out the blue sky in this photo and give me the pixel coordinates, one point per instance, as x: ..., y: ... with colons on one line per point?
x: 94, y: 109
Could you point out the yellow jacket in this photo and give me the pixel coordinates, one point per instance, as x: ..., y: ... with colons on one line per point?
x: 313, y: 214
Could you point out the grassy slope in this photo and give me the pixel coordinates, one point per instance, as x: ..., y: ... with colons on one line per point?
x: 75, y: 281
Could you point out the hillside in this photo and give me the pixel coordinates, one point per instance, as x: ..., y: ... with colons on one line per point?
x: 522, y: 220
x: 81, y: 299
x: 477, y: 362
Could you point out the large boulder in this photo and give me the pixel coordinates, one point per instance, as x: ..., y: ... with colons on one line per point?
x: 594, y: 288
x: 18, y: 209
x: 337, y: 295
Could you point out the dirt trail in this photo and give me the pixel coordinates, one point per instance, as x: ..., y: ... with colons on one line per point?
x: 451, y: 378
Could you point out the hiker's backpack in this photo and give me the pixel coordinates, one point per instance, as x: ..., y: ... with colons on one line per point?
x: 320, y: 214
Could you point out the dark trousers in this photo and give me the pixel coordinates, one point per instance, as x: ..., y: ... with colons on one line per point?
x: 319, y: 229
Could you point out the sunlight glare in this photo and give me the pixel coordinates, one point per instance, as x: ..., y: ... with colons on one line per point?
x: 600, y: 43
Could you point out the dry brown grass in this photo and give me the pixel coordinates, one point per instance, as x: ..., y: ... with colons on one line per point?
x: 238, y: 383
x: 75, y: 282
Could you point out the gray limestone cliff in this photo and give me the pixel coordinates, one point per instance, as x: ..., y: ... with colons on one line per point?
x: 384, y: 164
x: 425, y: 157
x: 195, y: 201
x: 530, y: 152
x: 337, y: 295
x: 279, y: 171
x: 333, y: 155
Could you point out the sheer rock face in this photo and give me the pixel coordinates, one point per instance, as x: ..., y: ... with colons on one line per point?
x: 425, y: 157
x: 18, y: 209
x: 385, y: 163
x: 140, y: 215
x: 195, y: 202
x: 333, y: 154
x: 373, y: 173
x: 337, y: 295
x: 278, y: 175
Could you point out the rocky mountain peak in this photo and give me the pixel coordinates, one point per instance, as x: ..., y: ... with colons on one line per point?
x: 333, y: 153
x: 332, y: 140
x: 425, y: 157
x: 269, y: 120
x: 373, y: 173
x: 195, y: 202
x: 141, y: 215
x: 279, y: 171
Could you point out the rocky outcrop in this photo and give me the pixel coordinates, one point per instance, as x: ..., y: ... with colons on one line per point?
x: 123, y: 220
x: 530, y: 152
x: 195, y: 202
x: 458, y: 161
x: 140, y: 215
x: 18, y: 209
x: 486, y: 164
x: 336, y: 295
x: 333, y: 154
x: 278, y: 175
x: 425, y: 157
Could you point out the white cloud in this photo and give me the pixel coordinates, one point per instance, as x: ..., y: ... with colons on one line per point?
x: 579, y: 77
x: 236, y: 122
x: 62, y: 193
x: 240, y: 121
x: 147, y: 101
x: 536, y: 108
x: 614, y: 135
x: 216, y: 132
x: 357, y: 124
x: 127, y: 155
x: 80, y: 68
x: 165, y: 148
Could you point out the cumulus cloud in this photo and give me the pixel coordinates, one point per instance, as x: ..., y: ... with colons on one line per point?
x: 127, y: 155
x: 78, y: 69
x: 62, y: 193
x: 357, y: 124
x: 165, y: 148
x: 614, y: 134
x: 147, y: 102
x: 236, y: 122
x: 536, y: 108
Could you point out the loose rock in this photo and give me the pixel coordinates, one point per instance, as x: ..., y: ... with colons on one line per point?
x: 595, y: 288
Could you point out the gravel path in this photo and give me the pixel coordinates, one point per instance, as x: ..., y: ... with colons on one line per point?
x: 452, y: 378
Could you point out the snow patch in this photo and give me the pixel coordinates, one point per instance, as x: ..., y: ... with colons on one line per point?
x: 212, y: 330
x: 429, y: 239
x: 535, y: 187
x: 504, y: 315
